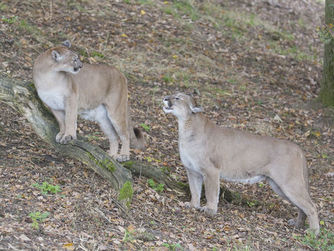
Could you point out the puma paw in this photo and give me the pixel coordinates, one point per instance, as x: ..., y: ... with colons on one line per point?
x: 294, y: 222
x: 66, y: 138
x: 208, y: 211
x: 122, y: 157
x: 59, y: 136
x: 190, y: 205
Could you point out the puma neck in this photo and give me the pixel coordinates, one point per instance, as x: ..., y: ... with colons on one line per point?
x: 189, y: 124
x: 47, y: 78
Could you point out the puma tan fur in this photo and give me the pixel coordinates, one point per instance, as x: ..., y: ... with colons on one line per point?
x: 95, y: 92
x: 210, y: 152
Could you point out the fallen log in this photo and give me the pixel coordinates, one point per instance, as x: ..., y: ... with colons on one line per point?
x: 24, y: 99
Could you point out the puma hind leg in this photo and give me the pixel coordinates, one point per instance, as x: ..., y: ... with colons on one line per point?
x: 295, y: 190
x: 119, y: 122
x: 300, y: 220
x: 110, y: 132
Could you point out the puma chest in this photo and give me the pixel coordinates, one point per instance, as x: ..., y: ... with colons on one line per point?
x: 190, y: 157
x: 53, y: 98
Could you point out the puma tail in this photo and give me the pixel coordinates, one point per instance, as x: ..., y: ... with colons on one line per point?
x: 137, y: 139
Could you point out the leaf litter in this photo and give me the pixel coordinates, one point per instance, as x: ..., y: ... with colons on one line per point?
x: 256, y: 65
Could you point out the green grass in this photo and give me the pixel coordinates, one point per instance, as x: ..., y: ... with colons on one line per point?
x: 292, y: 51
x: 181, y: 8
x: 126, y: 193
x: 183, y: 76
x: 167, y: 78
x: 3, y: 7
x: 238, y: 25
x: 38, y: 217
x: 172, y: 246
x: 145, y: 2
x: 147, y: 128
x: 23, y: 25
x: 128, y: 236
x: 9, y: 20
x: 47, y: 188
x: 156, y: 186
x: 324, y: 241
x: 219, y: 91
x: 232, y: 81
x: 97, y: 54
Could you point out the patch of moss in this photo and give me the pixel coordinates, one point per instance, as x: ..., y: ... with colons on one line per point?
x: 128, y: 164
x: 97, y: 54
x: 31, y: 86
x: 109, y: 165
x: 327, y: 96
x: 106, y: 163
x: 83, y: 52
x: 126, y: 193
x: 183, y: 185
x: 165, y: 169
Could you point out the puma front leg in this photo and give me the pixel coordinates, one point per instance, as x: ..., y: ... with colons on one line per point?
x: 60, y: 117
x: 212, y: 186
x: 71, y: 114
x: 195, y: 184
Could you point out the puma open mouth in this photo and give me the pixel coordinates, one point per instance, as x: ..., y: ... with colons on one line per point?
x: 167, y: 109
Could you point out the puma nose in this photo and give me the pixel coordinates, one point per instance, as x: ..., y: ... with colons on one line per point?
x: 166, y: 99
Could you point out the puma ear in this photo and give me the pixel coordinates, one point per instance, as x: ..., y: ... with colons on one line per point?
x: 196, y: 109
x: 67, y: 43
x: 55, y: 55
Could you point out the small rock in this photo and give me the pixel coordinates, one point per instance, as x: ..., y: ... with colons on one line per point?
x: 23, y: 237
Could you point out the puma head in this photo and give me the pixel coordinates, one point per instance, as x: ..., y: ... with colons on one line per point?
x: 180, y: 105
x: 65, y: 60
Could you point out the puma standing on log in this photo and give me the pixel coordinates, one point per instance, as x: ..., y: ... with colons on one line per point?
x: 96, y: 92
x: 210, y: 152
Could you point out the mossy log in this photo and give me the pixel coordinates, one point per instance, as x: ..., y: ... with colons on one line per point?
x: 143, y: 169
x: 23, y: 98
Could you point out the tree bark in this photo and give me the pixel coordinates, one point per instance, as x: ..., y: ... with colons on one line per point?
x: 327, y: 84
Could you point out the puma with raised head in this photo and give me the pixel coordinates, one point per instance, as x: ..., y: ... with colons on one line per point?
x: 95, y: 92
x: 210, y: 152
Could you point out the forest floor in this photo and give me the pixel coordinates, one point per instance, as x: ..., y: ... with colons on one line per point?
x: 255, y: 65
